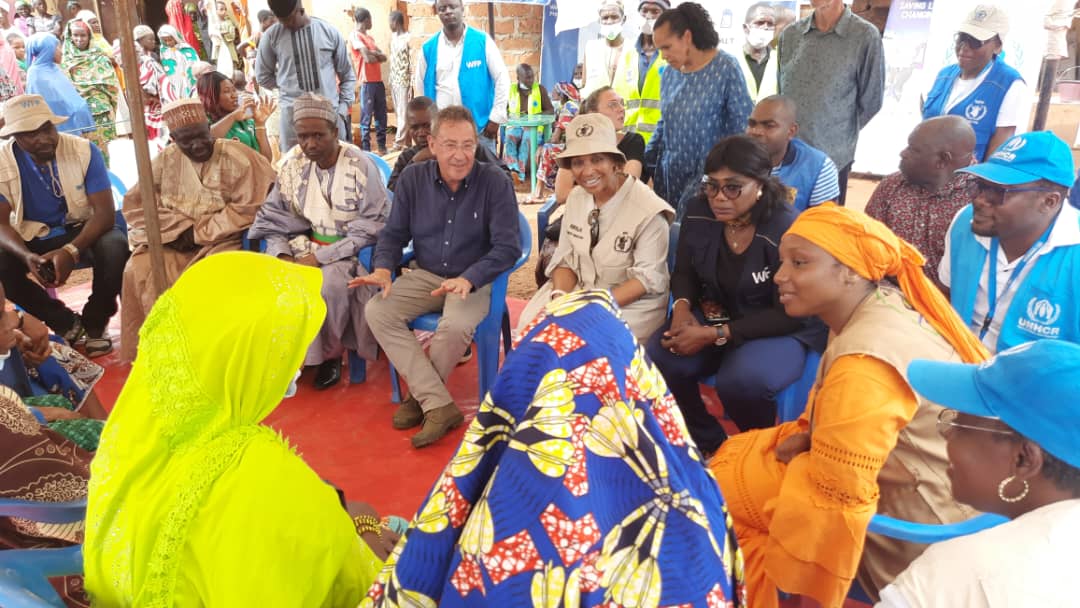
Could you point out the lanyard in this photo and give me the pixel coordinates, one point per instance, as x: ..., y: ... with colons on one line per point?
x: 992, y: 297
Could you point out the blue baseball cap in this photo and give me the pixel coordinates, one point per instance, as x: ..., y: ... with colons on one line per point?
x: 1031, y: 387
x: 1027, y: 158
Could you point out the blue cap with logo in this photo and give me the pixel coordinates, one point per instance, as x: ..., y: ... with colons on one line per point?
x: 1031, y: 387
x: 1027, y: 158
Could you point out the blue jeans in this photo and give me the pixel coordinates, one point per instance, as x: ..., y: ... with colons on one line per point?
x: 372, y: 105
x: 747, y: 380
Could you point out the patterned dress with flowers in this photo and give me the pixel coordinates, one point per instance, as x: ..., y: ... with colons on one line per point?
x: 576, y: 485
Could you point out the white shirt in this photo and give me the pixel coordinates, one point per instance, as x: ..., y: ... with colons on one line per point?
x: 1065, y: 233
x: 1026, y: 563
x: 1015, y: 107
x: 447, y: 90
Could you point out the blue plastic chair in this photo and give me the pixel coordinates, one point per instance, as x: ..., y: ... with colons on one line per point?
x: 543, y: 218
x: 487, y: 333
x: 25, y: 573
x: 384, y: 167
x: 118, y: 192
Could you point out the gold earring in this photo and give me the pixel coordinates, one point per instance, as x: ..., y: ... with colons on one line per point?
x: 1012, y: 499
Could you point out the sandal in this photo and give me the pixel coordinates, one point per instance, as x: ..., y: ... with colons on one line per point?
x: 76, y: 333
x: 97, y: 347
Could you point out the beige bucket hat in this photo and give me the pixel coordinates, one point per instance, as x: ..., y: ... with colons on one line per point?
x: 24, y: 113
x: 589, y: 134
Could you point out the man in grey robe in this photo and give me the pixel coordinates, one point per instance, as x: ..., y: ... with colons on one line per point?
x: 302, y: 54
x: 328, y: 204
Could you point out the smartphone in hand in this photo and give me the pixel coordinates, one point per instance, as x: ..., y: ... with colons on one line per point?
x: 47, y: 270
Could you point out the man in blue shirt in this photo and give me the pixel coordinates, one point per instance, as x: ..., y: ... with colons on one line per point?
x: 462, y: 219
x: 808, y: 173
x: 56, y: 208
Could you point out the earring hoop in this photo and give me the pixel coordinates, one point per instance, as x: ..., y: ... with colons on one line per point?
x: 1012, y: 499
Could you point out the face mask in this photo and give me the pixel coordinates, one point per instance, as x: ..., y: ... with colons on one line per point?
x: 579, y: 82
x: 611, y: 31
x: 758, y: 38
x: 291, y: 391
x: 647, y: 27
x: 523, y: 87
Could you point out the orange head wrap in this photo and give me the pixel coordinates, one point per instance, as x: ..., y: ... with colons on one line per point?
x: 868, y: 247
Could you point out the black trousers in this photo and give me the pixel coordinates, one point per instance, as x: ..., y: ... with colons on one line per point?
x: 107, y: 257
x: 842, y: 179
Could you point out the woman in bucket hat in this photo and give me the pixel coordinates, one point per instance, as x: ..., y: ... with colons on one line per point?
x: 614, y: 231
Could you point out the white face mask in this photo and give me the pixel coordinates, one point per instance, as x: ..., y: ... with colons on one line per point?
x: 579, y: 82
x: 647, y: 27
x: 759, y: 38
x: 523, y: 87
x: 611, y: 31
x: 291, y: 391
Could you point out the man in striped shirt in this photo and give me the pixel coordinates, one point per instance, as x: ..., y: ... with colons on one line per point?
x: 809, y: 173
x: 302, y: 54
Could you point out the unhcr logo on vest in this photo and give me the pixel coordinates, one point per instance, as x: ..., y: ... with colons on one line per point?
x: 1007, y: 151
x: 1042, y: 314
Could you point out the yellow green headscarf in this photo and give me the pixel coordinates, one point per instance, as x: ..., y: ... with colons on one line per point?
x: 192, y: 501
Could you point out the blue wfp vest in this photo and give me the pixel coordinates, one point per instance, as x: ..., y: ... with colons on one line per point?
x: 1046, y: 304
x: 474, y: 80
x: 980, y: 107
x: 801, y: 174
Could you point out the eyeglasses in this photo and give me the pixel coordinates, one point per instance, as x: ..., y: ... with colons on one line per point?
x: 994, y: 194
x: 712, y: 188
x: 946, y: 424
x: 454, y: 147
x: 972, y: 42
x: 594, y: 228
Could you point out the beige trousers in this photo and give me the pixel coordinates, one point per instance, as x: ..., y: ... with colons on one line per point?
x: 410, y: 296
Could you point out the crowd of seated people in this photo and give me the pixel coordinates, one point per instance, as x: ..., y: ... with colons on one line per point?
x: 593, y: 472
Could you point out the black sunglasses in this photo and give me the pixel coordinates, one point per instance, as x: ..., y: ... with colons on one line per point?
x: 711, y: 188
x: 972, y: 42
x: 594, y: 228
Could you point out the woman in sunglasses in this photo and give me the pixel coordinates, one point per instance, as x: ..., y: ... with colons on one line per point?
x: 980, y: 86
x: 614, y: 232
x: 1012, y: 451
x: 727, y: 318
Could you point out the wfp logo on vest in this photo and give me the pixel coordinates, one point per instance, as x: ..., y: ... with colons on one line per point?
x: 762, y: 276
x: 976, y: 110
x: 1041, y: 316
x: 475, y: 63
x: 1007, y: 151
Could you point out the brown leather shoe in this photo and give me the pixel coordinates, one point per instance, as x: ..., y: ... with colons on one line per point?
x: 408, y: 414
x: 437, y: 423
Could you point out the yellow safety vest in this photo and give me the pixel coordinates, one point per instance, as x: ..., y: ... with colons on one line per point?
x: 513, y: 106
x: 642, y: 107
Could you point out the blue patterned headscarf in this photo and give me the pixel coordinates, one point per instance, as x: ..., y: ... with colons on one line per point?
x: 576, y: 484
x: 45, y: 78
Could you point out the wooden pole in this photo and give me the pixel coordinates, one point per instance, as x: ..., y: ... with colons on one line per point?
x: 125, y: 17
x: 1046, y: 89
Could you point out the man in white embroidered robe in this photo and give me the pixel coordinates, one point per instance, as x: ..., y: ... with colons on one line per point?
x: 328, y: 204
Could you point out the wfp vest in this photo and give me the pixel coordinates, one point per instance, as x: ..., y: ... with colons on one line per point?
x: 980, y: 107
x: 72, y: 160
x: 513, y: 106
x: 475, y: 82
x: 769, y: 81
x: 801, y: 174
x: 1045, y: 305
x: 642, y: 106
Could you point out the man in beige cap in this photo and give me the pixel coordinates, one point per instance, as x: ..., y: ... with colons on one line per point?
x: 462, y: 219
x: 207, y: 194
x: 328, y: 204
x: 56, y: 209
x: 987, y: 92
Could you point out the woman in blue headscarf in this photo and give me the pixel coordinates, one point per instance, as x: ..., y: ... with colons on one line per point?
x: 47, y: 79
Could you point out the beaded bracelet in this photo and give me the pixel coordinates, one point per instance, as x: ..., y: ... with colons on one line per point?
x: 367, y: 523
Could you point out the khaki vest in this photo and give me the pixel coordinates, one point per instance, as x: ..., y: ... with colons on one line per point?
x: 72, y: 160
x: 913, y: 482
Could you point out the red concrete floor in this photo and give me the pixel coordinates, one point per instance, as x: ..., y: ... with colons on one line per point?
x: 344, y: 433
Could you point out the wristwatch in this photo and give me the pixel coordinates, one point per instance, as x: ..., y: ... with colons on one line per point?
x: 721, y: 339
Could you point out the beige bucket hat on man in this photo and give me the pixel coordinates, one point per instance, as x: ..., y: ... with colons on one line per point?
x: 589, y: 134
x: 24, y: 113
